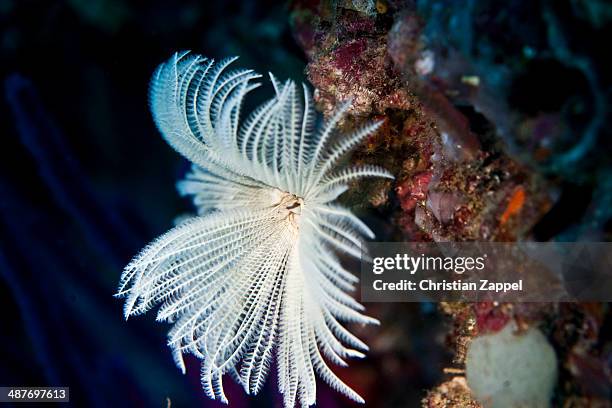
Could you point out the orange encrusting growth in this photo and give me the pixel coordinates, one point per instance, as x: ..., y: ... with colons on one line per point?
x: 514, y: 205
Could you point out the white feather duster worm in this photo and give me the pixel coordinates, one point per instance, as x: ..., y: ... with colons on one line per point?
x: 254, y: 277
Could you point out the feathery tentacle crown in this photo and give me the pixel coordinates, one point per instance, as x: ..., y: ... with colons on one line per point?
x: 253, y: 278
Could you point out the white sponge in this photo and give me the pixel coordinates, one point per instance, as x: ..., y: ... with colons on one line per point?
x: 512, y: 370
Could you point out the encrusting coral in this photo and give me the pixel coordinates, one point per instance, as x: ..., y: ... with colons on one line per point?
x: 254, y: 277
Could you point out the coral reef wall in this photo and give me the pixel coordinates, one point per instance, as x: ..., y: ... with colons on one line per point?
x: 494, y: 128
